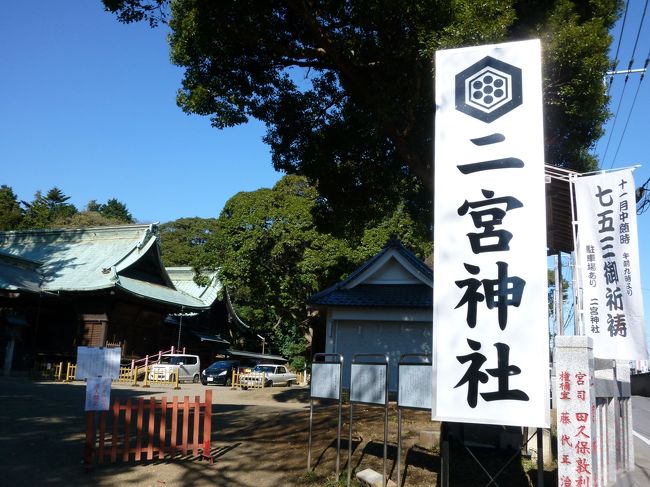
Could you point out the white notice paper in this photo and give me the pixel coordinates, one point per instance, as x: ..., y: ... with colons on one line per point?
x: 98, y: 394
x: 98, y: 362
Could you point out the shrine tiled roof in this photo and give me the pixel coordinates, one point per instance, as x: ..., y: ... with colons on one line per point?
x: 124, y: 258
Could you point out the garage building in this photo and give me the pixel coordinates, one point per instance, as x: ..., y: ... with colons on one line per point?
x: 383, y: 307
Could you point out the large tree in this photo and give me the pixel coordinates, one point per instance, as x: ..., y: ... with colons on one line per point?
x: 116, y: 210
x: 345, y: 88
x: 271, y: 256
x: 182, y: 241
x: 113, y: 210
x: 85, y: 219
x: 44, y: 210
x: 11, y: 213
x: 52, y: 210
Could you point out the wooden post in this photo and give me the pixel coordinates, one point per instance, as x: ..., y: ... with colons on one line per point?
x: 102, y: 436
x: 138, y: 429
x: 207, y: 426
x: 127, y: 431
x: 116, y: 420
x: 186, y: 418
x: 173, y: 440
x: 90, y: 439
x: 152, y: 426
x: 163, y: 427
x: 197, y: 418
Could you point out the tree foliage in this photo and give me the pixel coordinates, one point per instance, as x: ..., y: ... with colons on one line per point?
x: 271, y: 256
x: 11, y: 213
x: 345, y: 88
x: 85, y: 219
x: 182, y: 241
x: 44, y: 210
x: 52, y: 210
x: 116, y: 210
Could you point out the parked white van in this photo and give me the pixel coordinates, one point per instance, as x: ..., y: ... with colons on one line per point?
x: 188, y: 367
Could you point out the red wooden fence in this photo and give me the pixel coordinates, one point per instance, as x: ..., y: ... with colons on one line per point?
x: 159, y: 428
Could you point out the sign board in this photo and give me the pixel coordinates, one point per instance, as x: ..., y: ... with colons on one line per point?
x: 326, y: 380
x: 98, y: 394
x: 490, y: 317
x: 368, y: 383
x: 608, y: 263
x: 414, y: 386
x: 98, y: 362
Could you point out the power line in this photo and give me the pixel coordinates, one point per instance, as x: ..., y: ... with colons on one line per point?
x: 627, y: 121
x: 627, y: 75
x: 611, y: 130
x: 638, y: 34
x: 618, y: 47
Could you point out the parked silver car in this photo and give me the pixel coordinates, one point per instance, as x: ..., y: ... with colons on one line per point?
x: 272, y: 374
x: 188, y: 368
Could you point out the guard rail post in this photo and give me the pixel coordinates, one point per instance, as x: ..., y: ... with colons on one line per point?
x: 58, y: 371
x: 70, y: 372
x: 177, y: 379
x: 145, y: 382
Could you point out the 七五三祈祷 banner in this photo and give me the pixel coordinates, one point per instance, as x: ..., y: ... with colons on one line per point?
x: 490, y: 316
x: 608, y: 265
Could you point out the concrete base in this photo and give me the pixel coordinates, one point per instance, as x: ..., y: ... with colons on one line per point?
x: 429, y: 440
x: 373, y: 479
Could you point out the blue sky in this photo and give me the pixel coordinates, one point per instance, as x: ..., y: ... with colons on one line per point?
x: 631, y: 141
x: 88, y: 104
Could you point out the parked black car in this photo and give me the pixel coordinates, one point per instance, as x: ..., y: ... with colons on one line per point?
x: 220, y: 372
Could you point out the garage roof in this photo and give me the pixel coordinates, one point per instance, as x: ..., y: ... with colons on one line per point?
x: 393, y: 278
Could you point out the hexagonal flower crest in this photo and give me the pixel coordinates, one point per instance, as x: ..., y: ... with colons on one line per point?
x: 488, y: 89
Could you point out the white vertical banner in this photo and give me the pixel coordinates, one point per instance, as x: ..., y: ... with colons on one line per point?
x: 490, y: 316
x: 608, y: 262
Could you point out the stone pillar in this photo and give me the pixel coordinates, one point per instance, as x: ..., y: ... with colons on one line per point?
x: 625, y: 410
x: 575, y: 400
x: 608, y: 428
